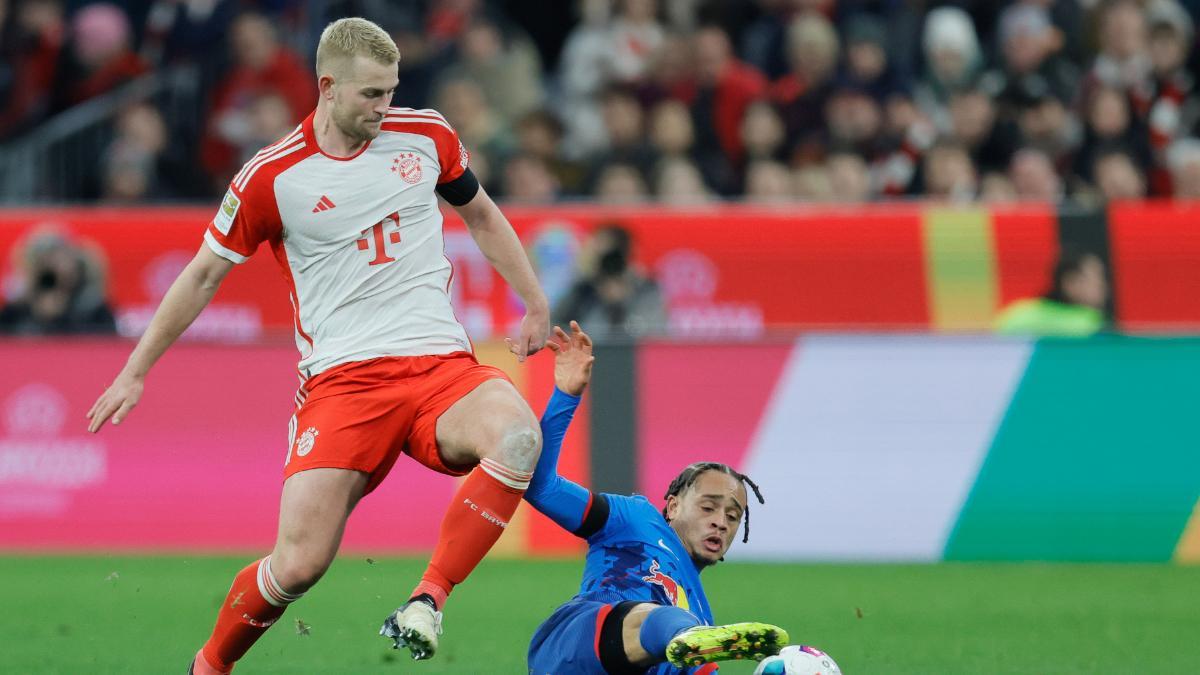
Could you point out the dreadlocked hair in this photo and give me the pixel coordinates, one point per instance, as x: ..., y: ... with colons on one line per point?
x: 689, y: 475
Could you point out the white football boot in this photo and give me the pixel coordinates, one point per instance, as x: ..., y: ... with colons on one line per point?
x: 416, y: 626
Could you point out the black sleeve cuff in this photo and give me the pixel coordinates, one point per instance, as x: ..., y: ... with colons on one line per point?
x: 460, y: 190
x: 595, y: 518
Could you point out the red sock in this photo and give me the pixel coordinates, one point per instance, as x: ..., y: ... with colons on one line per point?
x: 475, y: 519
x: 255, y: 601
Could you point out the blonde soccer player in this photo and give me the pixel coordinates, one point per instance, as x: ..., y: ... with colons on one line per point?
x: 348, y: 206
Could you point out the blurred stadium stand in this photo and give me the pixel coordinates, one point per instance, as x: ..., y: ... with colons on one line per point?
x: 963, y: 102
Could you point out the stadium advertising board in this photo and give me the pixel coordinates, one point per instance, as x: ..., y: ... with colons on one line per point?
x: 931, y: 448
x: 727, y: 271
x: 198, y: 465
x: 867, y: 448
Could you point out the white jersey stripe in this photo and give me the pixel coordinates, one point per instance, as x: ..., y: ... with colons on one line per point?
x: 231, y: 256
x: 416, y: 120
x: 298, y: 131
x: 265, y: 153
x: 413, y: 113
x: 259, y: 160
x: 424, y: 111
x: 277, y: 155
x: 243, y: 178
x: 283, y: 141
x: 270, y: 148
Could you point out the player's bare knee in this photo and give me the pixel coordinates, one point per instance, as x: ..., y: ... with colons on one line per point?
x: 520, y: 446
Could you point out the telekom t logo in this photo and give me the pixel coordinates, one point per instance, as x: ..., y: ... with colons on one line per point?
x: 373, y: 238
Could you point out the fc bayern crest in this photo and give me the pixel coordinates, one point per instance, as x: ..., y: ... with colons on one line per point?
x: 307, y: 440
x: 408, y: 166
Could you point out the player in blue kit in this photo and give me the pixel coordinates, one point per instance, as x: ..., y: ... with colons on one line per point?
x: 641, y: 607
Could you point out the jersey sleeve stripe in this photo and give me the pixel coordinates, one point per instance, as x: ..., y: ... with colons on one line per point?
x: 269, y: 149
x: 416, y: 113
x: 265, y: 153
x: 283, y: 141
x: 414, y: 116
x: 241, y: 185
x: 218, y: 248
x: 411, y: 111
x: 409, y: 119
x: 264, y: 158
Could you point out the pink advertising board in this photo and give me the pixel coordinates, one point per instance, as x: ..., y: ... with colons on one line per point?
x: 196, y: 467
x: 692, y: 414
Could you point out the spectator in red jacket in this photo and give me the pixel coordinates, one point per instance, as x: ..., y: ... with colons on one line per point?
x: 260, y: 66
x: 29, y: 53
x: 725, y: 88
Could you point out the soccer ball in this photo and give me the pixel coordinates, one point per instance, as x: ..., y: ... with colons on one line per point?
x: 798, y: 660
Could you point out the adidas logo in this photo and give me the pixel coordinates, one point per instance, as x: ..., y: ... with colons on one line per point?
x: 324, y: 205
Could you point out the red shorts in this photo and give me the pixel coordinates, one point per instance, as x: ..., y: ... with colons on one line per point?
x: 362, y: 415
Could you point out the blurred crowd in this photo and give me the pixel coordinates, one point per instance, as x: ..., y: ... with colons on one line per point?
x: 675, y: 101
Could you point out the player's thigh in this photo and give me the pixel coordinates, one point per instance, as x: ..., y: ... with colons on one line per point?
x: 312, y: 516
x: 483, y: 421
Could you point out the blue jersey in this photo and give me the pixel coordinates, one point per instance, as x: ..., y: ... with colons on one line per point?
x: 633, y: 553
x: 636, y: 555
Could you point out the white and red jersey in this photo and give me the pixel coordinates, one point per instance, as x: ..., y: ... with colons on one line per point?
x: 359, y: 239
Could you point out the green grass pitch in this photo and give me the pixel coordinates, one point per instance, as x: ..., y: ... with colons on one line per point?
x: 97, y: 614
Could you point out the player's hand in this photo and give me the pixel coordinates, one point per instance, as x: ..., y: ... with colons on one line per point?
x: 572, y: 359
x: 116, y: 401
x: 534, y: 329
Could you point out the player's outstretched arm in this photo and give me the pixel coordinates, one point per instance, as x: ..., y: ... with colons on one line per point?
x: 497, y: 240
x: 188, y: 295
x: 564, y: 501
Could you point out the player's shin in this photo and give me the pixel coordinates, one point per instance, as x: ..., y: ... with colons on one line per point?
x: 477, y: 516
x: 255, y: 602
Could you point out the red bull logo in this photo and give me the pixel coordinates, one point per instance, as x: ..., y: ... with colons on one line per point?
x: 675, y: 592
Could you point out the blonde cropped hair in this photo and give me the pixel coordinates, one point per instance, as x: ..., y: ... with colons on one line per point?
x: 344, y: 39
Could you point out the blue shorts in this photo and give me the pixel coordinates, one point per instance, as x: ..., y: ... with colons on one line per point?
x: 568, y: 641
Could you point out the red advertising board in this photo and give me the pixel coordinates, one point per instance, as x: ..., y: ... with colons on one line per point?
x: 1026, y: 246
x: 732, y: 271
x: 1156, y: 263
x: 728, y: 271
